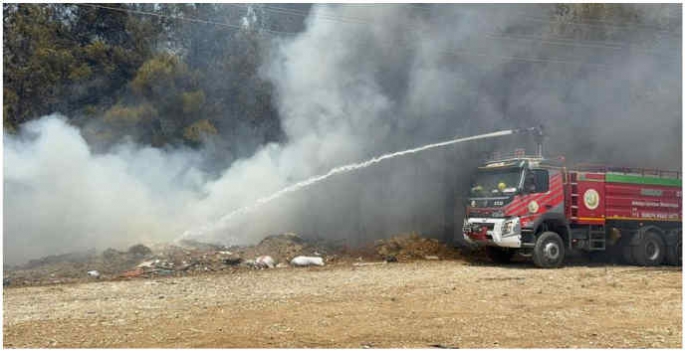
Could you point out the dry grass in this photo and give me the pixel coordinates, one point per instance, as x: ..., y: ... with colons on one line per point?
x: 414, y: 304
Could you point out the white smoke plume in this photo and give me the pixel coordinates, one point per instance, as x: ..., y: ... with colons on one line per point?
x: 347, y: 92
x: 59, y: 196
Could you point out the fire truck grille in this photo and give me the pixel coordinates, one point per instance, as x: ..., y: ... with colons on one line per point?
x: 490, y: 226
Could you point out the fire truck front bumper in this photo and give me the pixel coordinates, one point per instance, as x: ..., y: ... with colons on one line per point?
x: 503, y: 232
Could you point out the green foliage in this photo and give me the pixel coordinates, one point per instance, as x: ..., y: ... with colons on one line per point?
x: 166, y: 82
x: 35, y: 60
x: 193, y: 101
x: 90, y: 110
x: 96, y: 51
x: 80, y: 73
x: 161, y: 75
x: 197, y: 130
x: 10, y: 102
x: 60, y: 57
x: 158, y: 80
x: 130, y: 115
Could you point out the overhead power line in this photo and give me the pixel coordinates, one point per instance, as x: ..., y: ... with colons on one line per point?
x: 344, y: 19
x: 459, y: 52
x: 594, y: 42
x: 601, y: 24
x: 178, y: 18
x: 589, y: 23
x: 556, y: 41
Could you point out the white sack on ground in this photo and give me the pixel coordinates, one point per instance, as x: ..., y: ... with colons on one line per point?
x: 304, y: 261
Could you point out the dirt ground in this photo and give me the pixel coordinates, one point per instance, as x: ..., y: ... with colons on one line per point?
x: 413, y: 304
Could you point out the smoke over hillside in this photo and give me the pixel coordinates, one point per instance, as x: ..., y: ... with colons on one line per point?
x: 360, y: 81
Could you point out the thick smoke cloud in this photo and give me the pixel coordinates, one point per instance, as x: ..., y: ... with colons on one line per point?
x: 59, y: 196
x: 349, y: 91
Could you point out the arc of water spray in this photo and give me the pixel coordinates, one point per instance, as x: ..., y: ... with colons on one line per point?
x: 332, y: 172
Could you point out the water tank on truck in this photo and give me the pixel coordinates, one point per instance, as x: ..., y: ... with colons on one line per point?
x: 539, y: 208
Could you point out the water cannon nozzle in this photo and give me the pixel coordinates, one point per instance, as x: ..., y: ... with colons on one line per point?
x: 537, y: 131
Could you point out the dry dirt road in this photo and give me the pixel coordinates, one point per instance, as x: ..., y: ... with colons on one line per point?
x: 415, y: 304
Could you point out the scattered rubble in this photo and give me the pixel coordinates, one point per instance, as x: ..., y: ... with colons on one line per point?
x: 390, y: 259
x: 148, y: 264
x: 233, y: 261
x: 133, y: 273
x: 200, y: 246
x: 73, y: 257
x: 249, y: 264
x: 265, y: 262
x: 192, y: 257
x: 139, y: 250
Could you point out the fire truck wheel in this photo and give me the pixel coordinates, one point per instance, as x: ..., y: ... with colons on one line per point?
x: 650, y: 250
x: 627, y: 254
x: 674, y: 253
x: 498, y: 254
x: 549, y: 251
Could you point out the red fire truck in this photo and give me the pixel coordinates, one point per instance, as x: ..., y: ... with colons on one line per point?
x: 538, y: 208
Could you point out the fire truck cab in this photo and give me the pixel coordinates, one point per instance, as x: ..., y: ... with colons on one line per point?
x: 537, y: 208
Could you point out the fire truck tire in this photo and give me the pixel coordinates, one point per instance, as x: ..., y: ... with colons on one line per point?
x: 649, y: 250
x: 627, y: 254
x: 498, y: 254
x: 549, y: 251
x: 674, y: 253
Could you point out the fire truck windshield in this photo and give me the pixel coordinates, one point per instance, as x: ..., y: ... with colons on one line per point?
x: 496, y: 182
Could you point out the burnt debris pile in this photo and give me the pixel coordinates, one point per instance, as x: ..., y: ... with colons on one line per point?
x: 412, y: 247
x: 189, y: 257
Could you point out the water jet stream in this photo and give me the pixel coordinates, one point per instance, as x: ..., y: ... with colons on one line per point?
x: 340, y: 169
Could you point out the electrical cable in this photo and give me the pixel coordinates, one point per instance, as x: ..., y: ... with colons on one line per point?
x: 496, y: 36
x: 458, y: 53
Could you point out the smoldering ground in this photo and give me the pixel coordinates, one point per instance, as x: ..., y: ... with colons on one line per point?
x: 360, y: 81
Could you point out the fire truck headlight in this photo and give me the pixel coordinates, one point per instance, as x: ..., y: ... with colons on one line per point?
x: 510, y: 226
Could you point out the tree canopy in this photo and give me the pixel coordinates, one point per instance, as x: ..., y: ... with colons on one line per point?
x: 117, y: 71
x: 138, y: 70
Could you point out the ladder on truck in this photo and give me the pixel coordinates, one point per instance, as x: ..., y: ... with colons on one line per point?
x: 572, y: 196
x: 596, y: 234
x: 596, y: 237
